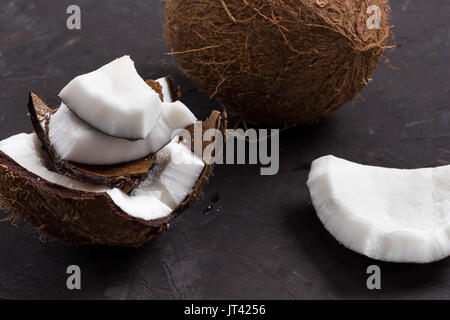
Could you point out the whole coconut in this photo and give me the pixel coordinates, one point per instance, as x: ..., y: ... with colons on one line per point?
x: 277, y: 62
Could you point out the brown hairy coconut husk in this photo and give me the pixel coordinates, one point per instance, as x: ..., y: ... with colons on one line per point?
x: 83, y: 217
x: 277, y: 62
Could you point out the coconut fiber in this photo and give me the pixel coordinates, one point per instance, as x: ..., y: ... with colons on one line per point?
x: 277, y: 62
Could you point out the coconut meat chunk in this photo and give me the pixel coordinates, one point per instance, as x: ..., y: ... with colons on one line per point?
x: 387, y: 214
x: 173, y: 177
x: 115, y: 100
x: 74, y: 140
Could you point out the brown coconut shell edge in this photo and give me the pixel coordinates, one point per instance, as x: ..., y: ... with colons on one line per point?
x: 80, y: 217
x: 174, y: 90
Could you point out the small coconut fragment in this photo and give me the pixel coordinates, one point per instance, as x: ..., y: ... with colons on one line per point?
x: 81, y: 213
x: 170, y: 91
x: 114, y: 99
x: 387, y: 214
x: 172, y: 179
x: 155, y: 85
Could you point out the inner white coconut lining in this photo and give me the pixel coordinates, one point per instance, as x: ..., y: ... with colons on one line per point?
x: 387, y: 214
x: 25, y: 150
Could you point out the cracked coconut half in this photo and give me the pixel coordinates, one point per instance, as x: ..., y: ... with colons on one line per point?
x: 84, y: 186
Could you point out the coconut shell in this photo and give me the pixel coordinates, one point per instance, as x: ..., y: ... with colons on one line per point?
x: 156, y: 86
x: 125, y: 176
x: 81, y: 217
x: 277, y: 62
x: 174, y: 90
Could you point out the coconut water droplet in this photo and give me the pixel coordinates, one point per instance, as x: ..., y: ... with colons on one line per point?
x: 207, y: 210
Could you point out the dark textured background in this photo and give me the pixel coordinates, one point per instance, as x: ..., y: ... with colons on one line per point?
x: 261, y: 239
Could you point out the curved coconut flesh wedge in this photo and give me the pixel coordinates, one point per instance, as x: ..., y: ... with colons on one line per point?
x: 114, y: 99
x: 82, y: 213
x: 386, y: 214
x: 73, y: 140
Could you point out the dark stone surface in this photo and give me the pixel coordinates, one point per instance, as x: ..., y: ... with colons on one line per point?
x: 262, y: 238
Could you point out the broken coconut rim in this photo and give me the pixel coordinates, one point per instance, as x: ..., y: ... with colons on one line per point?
x: 394, y: 215
x: 84, y: 217
x: 125, y: 176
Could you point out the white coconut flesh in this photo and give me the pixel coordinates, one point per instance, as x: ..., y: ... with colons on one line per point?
x: 387, y: 214
x: 75, y: 140
x: 174, y: 175
x: 114, y: 99
x: 170, y: 181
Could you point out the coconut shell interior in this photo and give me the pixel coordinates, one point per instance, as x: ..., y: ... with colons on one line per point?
x: 81, y: 217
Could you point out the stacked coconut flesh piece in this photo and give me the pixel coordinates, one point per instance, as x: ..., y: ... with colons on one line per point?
x: 107, y: 166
